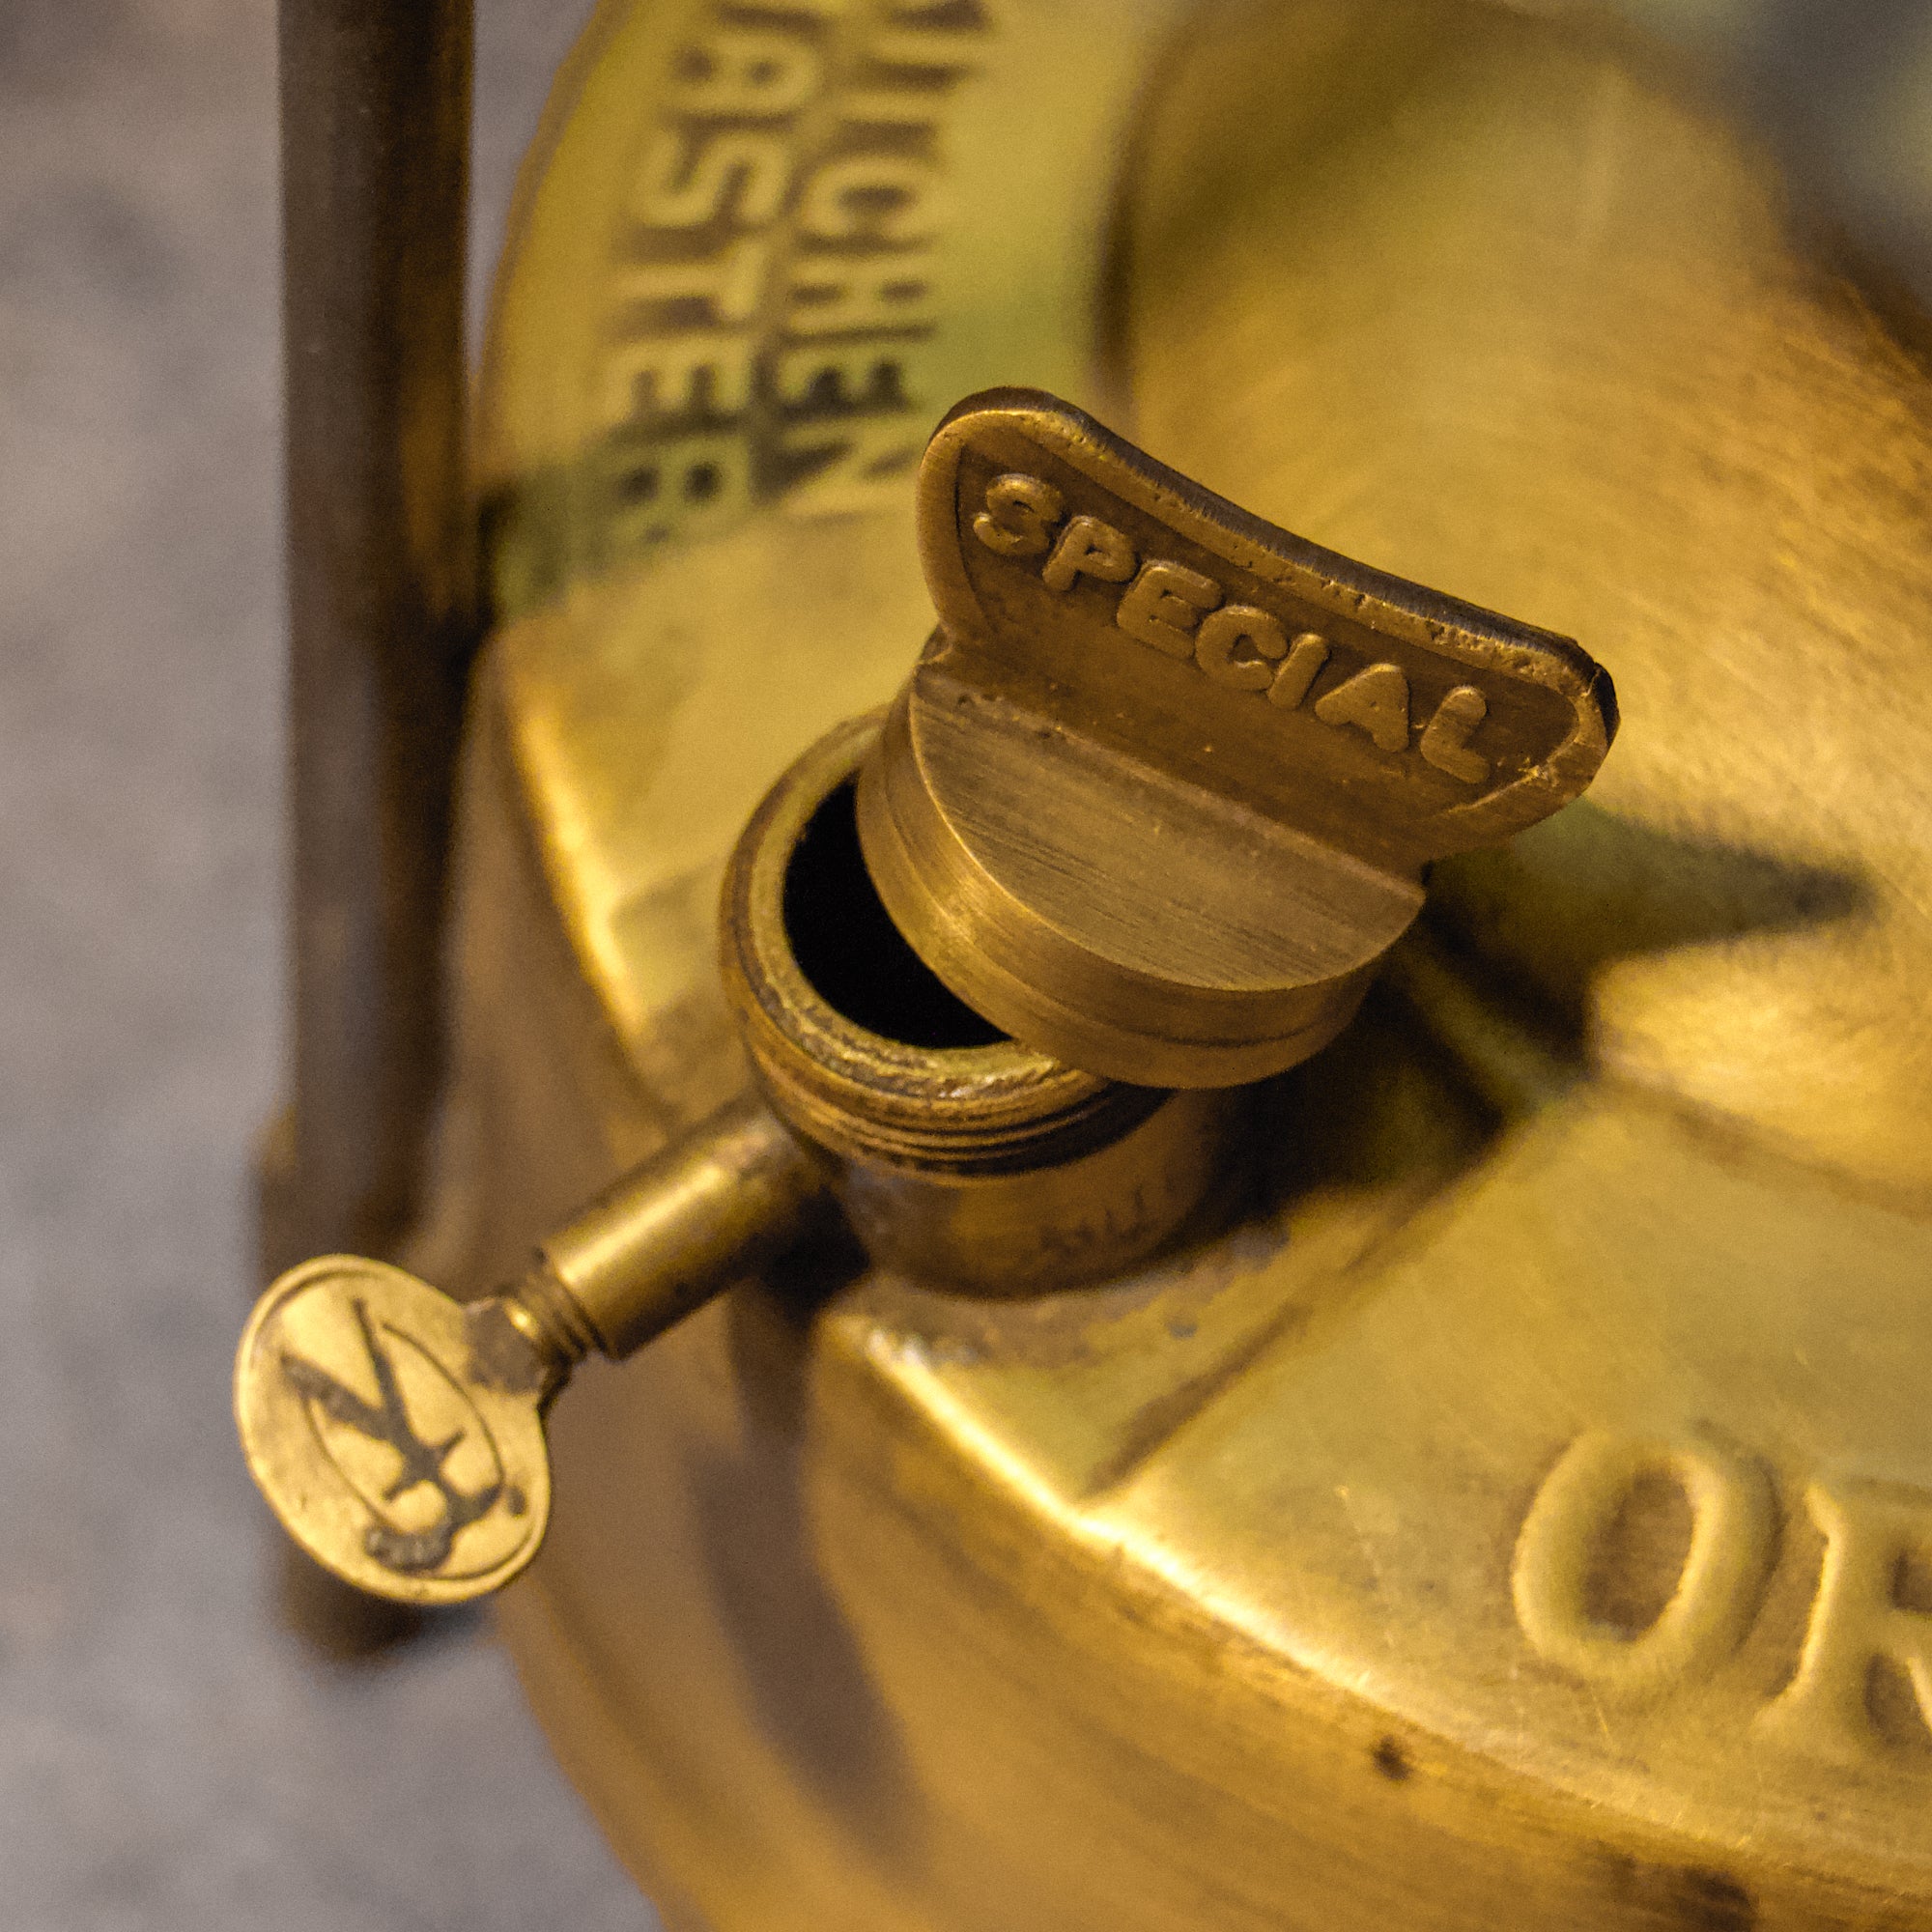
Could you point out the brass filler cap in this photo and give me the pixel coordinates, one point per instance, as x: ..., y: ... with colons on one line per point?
x: 1159, y: 793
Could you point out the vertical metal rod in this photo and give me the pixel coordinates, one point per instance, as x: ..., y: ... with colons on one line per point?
x: 375, y: 105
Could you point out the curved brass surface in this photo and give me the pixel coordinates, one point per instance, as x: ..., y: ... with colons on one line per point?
x: 1508, y: 1525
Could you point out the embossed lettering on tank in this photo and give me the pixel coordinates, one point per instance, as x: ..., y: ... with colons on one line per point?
x: 1866, y: 1617
x: 772, y: 289
x: 773, y: 296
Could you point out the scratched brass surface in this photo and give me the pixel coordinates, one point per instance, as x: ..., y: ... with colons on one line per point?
x: 1323, y: 1578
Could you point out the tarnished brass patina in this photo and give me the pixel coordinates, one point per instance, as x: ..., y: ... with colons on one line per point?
x: 1520, y: 1514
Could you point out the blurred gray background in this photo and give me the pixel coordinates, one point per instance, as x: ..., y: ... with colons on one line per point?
x: 170, y: 1757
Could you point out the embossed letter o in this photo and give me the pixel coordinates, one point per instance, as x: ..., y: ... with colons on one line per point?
x: 1717, y: 1591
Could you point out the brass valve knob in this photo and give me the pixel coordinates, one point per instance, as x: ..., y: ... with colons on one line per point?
x: 1155, y: 801
x: 398, y: 1434
x: 1159, y: 795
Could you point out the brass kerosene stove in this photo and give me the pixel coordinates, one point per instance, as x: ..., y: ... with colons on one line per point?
x: 1189, y: 1385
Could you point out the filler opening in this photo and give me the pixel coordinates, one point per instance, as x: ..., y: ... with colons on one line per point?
x: 847, y: 946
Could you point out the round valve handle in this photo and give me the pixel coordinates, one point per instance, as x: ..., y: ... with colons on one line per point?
x: 385, y: 1420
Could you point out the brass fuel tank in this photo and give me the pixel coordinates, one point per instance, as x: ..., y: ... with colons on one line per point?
x: 1523, y: 1516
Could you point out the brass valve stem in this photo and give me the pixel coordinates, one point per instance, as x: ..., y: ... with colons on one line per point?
x: 653, y: 1248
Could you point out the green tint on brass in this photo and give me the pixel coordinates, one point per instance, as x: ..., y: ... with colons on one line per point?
x: 1159, y: 795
